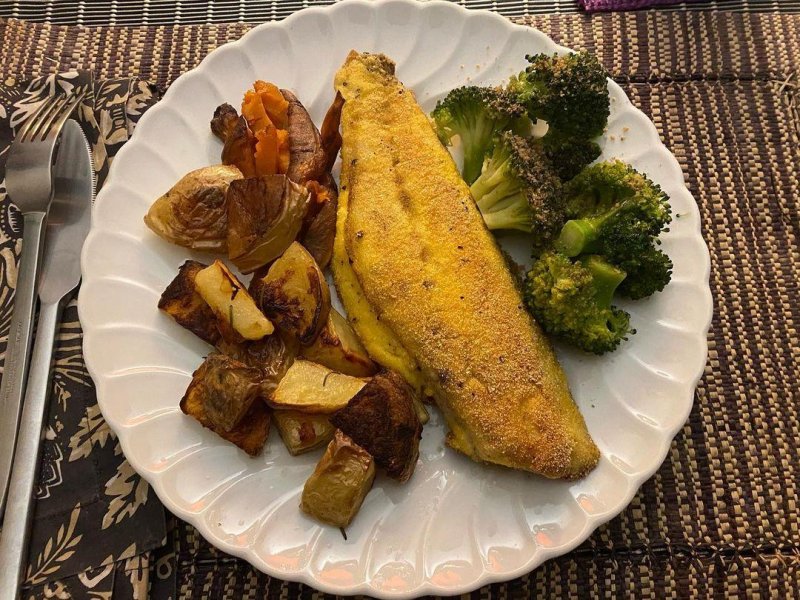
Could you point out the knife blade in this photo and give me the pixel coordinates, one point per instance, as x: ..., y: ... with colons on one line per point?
x: 67, y: 227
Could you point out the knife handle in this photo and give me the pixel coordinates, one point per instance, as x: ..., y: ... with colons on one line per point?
x: 15, y: 367
x: 19, y: 509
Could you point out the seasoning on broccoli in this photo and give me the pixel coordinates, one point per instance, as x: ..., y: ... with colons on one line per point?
x: 517, y: 189
x: 570, y: 93
x: 571, y: 299
x: 476, y: 115
x: 617, y: 212
x: 569, y: 156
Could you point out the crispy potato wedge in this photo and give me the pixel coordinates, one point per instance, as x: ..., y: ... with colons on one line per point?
x: 182, y: 302
x: 311, y: 388
x: 250, y: 434
x: 381, y: 418
x: 294, y: 294
x: 302, y: 432
x: 337, y: 347
x: 226, y: 388
x: 337, y: 487
x: 237, y: 314
x: 193, y: 212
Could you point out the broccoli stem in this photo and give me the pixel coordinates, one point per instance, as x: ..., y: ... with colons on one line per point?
x: 577, y: 235
x: 513, y: 213
x: 606, y: 278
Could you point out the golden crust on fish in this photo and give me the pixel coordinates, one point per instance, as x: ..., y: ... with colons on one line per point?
x: 435, y: 278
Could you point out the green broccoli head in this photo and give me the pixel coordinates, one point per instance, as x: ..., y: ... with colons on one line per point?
x: 572, y: 300
x: 569, y: 156
x: 612, y: 203
x: 617, y: 212
x: 567, y: 91
x: 476, y: 115
x: 518, y: 189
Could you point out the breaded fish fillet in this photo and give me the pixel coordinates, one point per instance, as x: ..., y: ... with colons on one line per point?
x: 434, y: 278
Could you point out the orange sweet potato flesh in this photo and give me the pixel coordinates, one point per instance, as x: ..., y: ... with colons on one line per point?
x: 266, y: 154
x: 274, y: 103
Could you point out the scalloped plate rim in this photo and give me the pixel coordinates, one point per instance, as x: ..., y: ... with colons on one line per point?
x: 540, y: 554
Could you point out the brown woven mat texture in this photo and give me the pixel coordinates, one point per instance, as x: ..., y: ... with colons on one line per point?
x: 720, y: 518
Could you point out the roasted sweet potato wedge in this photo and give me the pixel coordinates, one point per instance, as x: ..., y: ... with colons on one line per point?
x: 294, y: 294
x: 224, y: 121
x: 307, y: 159
x: 381, y: 418
x: 337, y: 487
x: 182, y: 302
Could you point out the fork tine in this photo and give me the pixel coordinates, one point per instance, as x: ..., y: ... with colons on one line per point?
x: 54, y: 129
x: 33, y: 119
x: 39, y: 128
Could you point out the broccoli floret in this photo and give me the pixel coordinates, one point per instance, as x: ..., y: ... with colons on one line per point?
x: 569, y: 92
x: 617, y: 212
x: 518, y: 189
x: 569, y: 156
x: 476, y: 115
x: 572, y: 300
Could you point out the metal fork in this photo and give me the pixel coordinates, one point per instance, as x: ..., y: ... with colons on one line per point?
x: 29, y: 183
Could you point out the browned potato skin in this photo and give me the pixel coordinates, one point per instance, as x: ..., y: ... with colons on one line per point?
x: 250, y: 434
x: 182, y: 302
x: 193, y: 212
x: 224, y: 121
x: 337, y: 347
x: 302, y: 432
x: 238, y: 148
x: 273, y: 355
x: 226, y: 388
x: 381, y: 418
x: 265, y: 215
x: 337, y: 487
x: 294, y: 294
x: 318, y: 235
x: 307, y: 159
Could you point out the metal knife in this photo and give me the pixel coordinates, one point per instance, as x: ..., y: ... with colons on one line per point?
x: 67, y: 227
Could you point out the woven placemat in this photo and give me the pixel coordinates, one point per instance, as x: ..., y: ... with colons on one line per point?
x: 720, y: 518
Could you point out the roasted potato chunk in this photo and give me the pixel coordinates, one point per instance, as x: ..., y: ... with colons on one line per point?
x: 193, y: 212
x: 265, y: 215
x: 337, y: 487
x: 294, y: 294
x: 272, y: 355
x: 226, y: 388
x: 182, y: 302
x: 337, y: 347
x: 311, y: 388
x: 238, y: 317
x: 381, y: 418
x: 301, y: 432
x: 251, y: 432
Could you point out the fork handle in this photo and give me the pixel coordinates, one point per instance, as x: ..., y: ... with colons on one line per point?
x: 15, y: 369
x: 19, y: 514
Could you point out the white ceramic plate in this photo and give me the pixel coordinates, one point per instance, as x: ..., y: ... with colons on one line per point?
x: 456, y: 525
